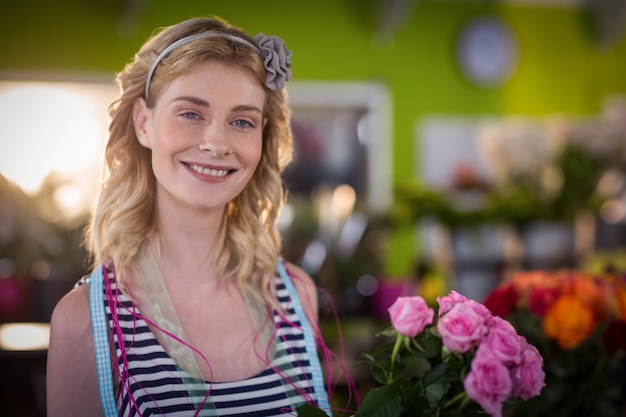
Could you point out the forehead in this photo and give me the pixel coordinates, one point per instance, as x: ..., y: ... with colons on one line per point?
x: 214, y: 79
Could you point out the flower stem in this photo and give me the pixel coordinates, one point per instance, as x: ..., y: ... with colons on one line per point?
x: 454, y: 399
x: 394, y: 353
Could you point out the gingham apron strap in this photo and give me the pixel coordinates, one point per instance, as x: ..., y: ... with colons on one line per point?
x: 101, y: 343
x: 309, y: 340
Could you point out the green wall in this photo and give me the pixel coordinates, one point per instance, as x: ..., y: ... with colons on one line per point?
x: 561, y: 71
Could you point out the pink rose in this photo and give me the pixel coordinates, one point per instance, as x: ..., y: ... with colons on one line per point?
x: 502, y: 342
x: 461, y: 328
x: 488, y: 383
x: 449, y: 301
x: 410, y: 315
x: 480, y: 309
x: 454, y: 298
x: 528, y: 377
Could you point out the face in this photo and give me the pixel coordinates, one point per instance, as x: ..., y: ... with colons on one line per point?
x: 205, y: 133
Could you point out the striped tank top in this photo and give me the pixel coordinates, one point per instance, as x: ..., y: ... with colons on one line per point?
x: 156, y: 386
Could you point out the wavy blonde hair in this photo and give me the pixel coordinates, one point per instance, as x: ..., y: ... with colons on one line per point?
x: 124, y: 216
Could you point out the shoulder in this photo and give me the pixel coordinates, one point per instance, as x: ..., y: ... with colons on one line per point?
x: 306, y: 289
x: 70, y: 324
x: 71, y: 373
x: 71, y: 313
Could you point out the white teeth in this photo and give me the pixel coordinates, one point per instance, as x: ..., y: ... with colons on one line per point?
x: 211, y: 172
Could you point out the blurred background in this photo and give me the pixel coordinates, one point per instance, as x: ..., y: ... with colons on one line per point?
x: 440, y: 145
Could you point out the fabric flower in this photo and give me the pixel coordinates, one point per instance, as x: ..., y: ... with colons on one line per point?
x: 410, y: 315
x: 277, y: 60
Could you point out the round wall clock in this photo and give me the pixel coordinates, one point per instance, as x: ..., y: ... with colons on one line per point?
x: 487, y: 51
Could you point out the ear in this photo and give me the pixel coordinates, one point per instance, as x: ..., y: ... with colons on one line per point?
x: 141, y: 116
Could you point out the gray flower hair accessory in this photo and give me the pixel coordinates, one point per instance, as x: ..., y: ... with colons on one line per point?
x: 277, y: 60
x: 276, y: 57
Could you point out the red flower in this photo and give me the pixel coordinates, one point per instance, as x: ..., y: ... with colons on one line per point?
x: 542, y: 298
x: 502, y: 301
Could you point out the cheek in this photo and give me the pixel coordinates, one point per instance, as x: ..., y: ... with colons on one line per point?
x: 173, y: 136
x: 253, y: 152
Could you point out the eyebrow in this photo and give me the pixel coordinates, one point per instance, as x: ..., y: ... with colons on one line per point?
x: 193, y: 100
x: 244, y: 107
x: 200, y: 102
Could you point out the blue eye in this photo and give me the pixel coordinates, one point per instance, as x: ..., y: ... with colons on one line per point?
x: 190, y: 115
x: 242, y: 123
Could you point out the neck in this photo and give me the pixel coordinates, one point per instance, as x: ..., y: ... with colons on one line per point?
x: 185, y: 245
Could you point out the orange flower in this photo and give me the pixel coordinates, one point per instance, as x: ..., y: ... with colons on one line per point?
x: 592, y: 292
x: 568, y: 321
x: 526, y: 282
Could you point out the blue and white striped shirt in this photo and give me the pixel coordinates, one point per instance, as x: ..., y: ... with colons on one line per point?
x: 159, y: 387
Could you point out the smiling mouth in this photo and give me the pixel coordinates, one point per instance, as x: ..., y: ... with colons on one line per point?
x: 211, y: 172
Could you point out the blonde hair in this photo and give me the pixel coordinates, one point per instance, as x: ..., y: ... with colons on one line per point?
x: 124, y: 216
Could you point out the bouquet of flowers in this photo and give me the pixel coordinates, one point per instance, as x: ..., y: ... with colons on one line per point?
x: 577, y: 320
x: 464, y: 361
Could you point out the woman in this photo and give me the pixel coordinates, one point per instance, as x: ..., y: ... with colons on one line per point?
x: 190, y: 310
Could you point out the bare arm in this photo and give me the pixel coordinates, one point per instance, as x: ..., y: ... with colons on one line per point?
x: 71, y: 376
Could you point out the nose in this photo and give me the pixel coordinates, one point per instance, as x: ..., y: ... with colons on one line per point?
x: 215, y: 142
x: 216, y: 150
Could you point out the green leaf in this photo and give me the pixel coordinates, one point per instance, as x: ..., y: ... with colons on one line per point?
x: 388, y: 332
x: 367, y: 357
x: 413, y: 400
x: 380, y: 402
x: 381, y: 352
x: 414, y: 367
x: 441, y: 372
x: 378, y: 362
x: 434, y: 393
x: 379, y: 373
x: 307, y: 410
x: 431, y: 346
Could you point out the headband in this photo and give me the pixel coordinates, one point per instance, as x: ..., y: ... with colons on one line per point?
x: 276, y: 58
